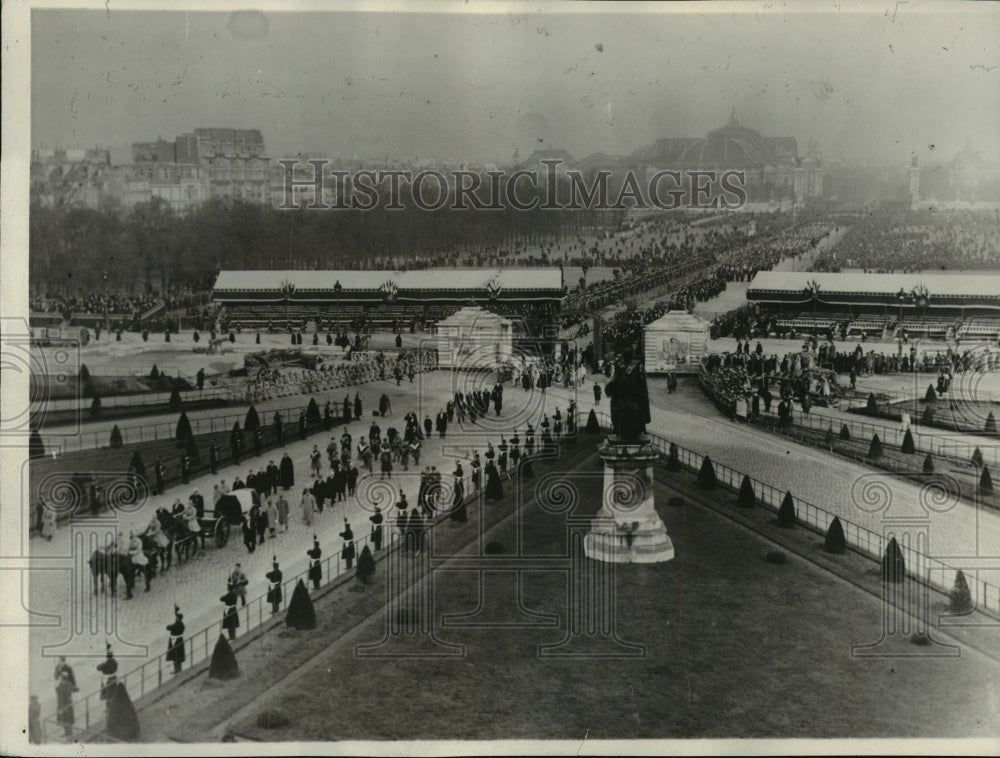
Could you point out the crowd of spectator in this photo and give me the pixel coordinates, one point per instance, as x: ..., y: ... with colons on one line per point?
x: 896, y: 240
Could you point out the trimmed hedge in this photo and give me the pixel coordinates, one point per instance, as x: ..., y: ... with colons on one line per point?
x: 835, y: 541
x: 786, y: 513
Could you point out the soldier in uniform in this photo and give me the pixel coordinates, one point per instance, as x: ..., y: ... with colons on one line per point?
x: 108, y: 668
x: 315, y: 566
x: 348, y: 554
x: 230, y: 616
x: 274, y: 577
x: 258, y: 441
x: 159, y: 471
x: 377, y: 520
x: 186, y: 468
x: 175, y: 645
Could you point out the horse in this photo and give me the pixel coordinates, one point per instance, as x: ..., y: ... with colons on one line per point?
x: 181, y: 538
x: 109, y: 566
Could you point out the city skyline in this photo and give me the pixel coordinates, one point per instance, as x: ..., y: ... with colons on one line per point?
x: 476, y: 87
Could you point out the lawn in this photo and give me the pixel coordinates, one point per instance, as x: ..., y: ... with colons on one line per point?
x: 733, y: 647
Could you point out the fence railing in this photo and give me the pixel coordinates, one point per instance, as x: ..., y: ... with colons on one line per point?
x: 924, y: 442
x: 871, y: 544
x: 221, y: 424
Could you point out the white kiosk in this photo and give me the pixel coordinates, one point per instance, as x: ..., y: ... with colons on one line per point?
x: 474, y: 338
x: 675, y: 342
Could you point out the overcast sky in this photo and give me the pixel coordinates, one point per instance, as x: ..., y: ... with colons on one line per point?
x: 866, y: 85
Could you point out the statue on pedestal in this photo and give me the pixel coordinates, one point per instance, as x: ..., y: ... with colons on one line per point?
x: 629, y: 399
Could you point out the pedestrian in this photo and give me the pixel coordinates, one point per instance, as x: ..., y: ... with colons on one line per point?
x: 315, y: 565
x: 315, y: 460
x: 175, y: 645
x: 271, y: 510
x: 597, y: 393
x: 61, y: 667
x: 230, y: 616
x: 64, y: 705
x: 308, y: 506
x: 282, y: 506
x: 238, y: 583
x: 274, y: 577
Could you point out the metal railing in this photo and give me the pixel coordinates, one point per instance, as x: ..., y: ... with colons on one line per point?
x: 222, y: 424
x: 937, y: 574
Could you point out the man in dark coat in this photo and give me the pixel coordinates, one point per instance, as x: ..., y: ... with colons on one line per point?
x: 315, y: 564
x: 175, y: 645
x: 346, y: 414
x: 442, y: 423
x: 428, y: 426
x: 357, y: 405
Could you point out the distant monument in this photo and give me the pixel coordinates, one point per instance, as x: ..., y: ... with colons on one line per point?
x: 627, y: 528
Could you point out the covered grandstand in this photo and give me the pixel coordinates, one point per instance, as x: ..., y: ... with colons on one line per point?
x: 936, y: 306
x: 356, y: 299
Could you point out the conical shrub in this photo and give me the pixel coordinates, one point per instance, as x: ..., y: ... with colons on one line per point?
x: 930, y: 396
x: 927, y: 419
x: 183, y: 433
x: 137, y: 466
x: 835, y: 541
x: 116, y: 437
x: 706, y: 476
x: 828, y: 437
x: 366, y: 566
x: 872, y: 405
x: 786, y: 513
x: 986, y: 481
x: 154, y: 373
x: 893, y: 565
x: 845, y: 433
x: 928, y: 464
x: 977, y: 458
x: 746, y: 498
x: 301, y: 613
x: 875, y: 448
x: 84, y: 373
x: 313, y: 416
x: 252, y: 422
x: 991, y: 424
x: 592, y: 426
x: 123, y: 722
x: 223, y: 665
x: 175, y: 399
x: 908, y: 447
x: 960, y: 598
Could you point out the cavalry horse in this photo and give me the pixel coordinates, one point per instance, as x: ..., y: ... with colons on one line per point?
x: 108, y: 566
x: 183, y: 540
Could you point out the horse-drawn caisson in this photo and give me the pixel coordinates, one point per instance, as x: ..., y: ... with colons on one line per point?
x: 179, y: 531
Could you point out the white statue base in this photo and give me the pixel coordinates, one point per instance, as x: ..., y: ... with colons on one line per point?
x: 627, y: 528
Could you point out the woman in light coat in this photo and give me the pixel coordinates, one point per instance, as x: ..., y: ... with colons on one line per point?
x: 308, y: 506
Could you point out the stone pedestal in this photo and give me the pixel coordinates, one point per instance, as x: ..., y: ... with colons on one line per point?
x: 627, y: 529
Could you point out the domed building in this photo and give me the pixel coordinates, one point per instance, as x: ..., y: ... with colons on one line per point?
x: 771, y: 166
